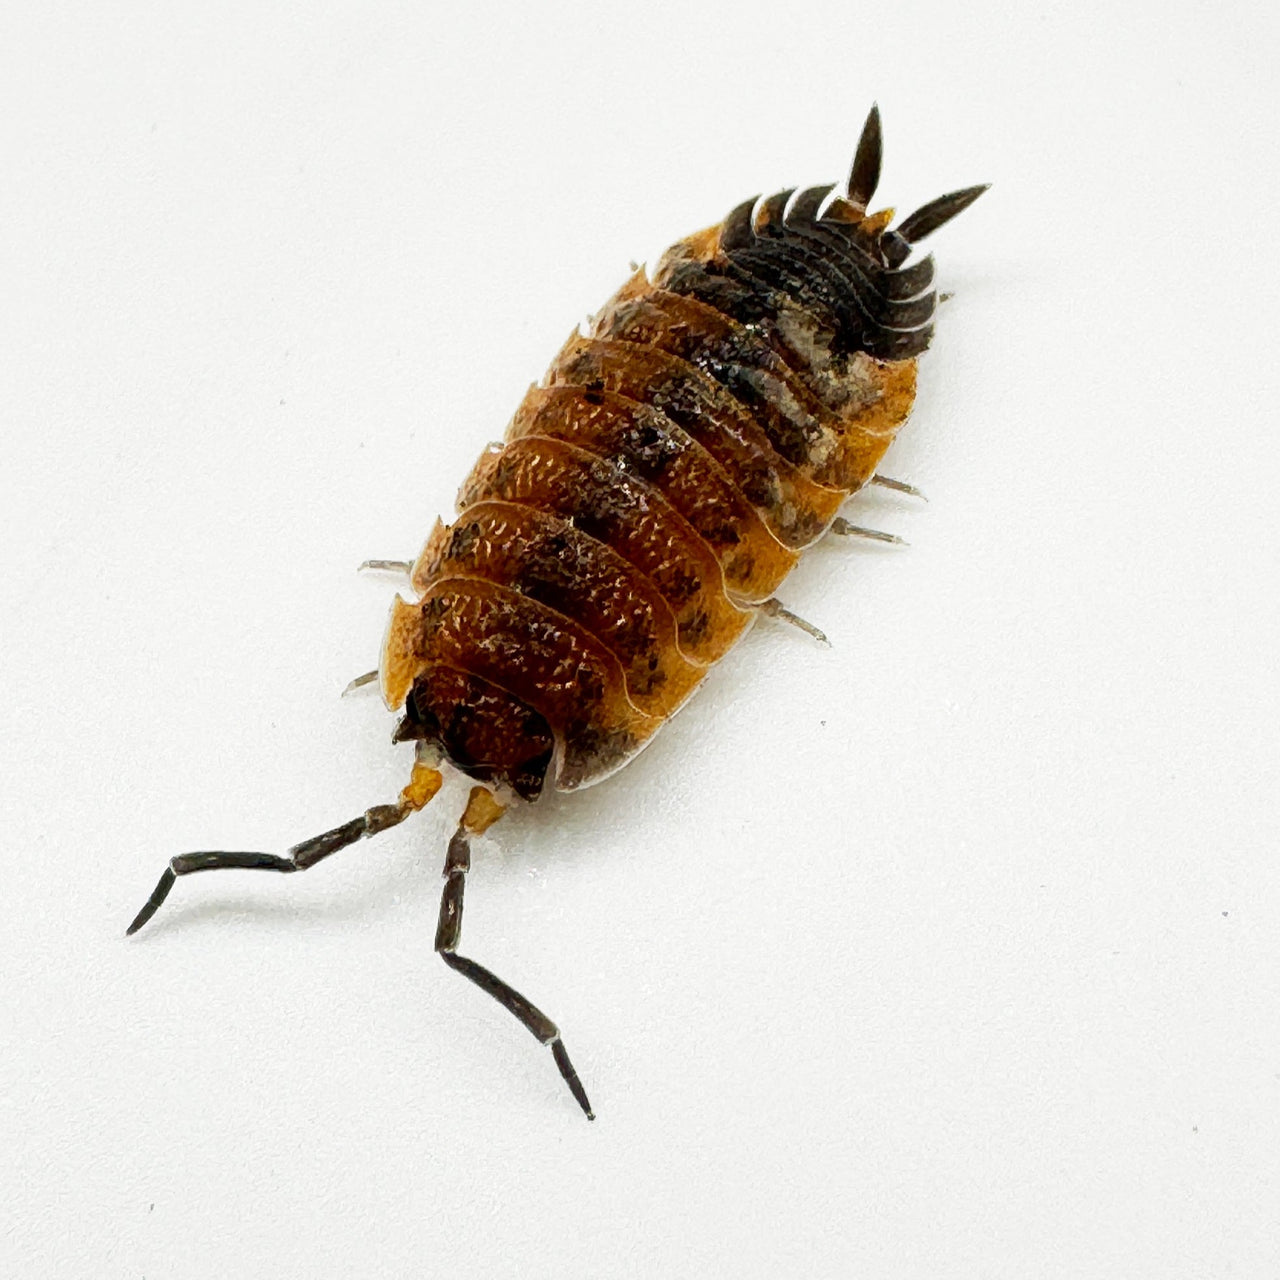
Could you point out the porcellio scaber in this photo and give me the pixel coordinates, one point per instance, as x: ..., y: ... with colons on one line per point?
x: 649, y: 498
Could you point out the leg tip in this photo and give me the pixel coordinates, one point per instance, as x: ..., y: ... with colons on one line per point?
x: 898, y: 486
x: 359, y: 683
x: 385, y: 566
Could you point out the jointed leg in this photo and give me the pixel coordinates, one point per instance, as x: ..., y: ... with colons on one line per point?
x: 378, y: 566
x: 774, y: 608
x: 360, y: 682
x: 423, y: 785
x: 386, y: 566
x: 898, y: 486
x: 842, y: 528
x: 482, y: 812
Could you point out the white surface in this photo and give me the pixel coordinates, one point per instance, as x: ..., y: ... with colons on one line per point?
x: 951, y: 951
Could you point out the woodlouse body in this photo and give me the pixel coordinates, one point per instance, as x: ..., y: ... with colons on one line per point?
x: 658, y: 486
x: 649, y: 498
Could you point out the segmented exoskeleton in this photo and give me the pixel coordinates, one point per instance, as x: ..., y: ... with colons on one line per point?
x: 651, y: 494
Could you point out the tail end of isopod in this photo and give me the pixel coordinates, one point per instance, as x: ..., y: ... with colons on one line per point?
x: 898, y: 243
x: 852, y: 203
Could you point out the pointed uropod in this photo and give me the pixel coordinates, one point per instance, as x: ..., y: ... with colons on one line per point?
x: 864, y: 177
x: 928, y: 218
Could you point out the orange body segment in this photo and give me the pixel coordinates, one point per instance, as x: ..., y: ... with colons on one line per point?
x: 654, y: 491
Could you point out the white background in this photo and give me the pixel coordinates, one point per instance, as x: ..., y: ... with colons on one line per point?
x: 952, y: 951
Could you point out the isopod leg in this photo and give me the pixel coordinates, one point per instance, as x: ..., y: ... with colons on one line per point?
x: 360, y: 682
x: 422, y: 786
x: 385, y: 566
x: 842, y: 528
x: 898, y: 486
x: 404, y: 567
x: 774, y: 608
x: 482, y: 811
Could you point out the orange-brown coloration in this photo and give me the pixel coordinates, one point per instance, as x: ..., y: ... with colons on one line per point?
x: 594, y: 457
x: 657, y: 451
x: 482, y: 811
x: 793, y: 506
x: 650, y: 497
x: 423, y: 785
x: 656, y: 488
x: 600, y: 497
x: 564, y: 568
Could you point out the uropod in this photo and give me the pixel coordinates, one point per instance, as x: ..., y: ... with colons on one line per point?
x: 650, y: 496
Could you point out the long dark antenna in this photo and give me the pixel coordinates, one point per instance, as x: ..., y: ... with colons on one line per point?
x: 423, y: 785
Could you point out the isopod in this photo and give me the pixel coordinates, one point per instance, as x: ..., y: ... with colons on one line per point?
x: 651, y: 494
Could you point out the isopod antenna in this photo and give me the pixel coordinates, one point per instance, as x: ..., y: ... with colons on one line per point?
x: 423, y: 785
x: 482, y: 812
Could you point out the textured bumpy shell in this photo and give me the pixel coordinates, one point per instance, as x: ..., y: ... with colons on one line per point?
x: 656, y: 487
